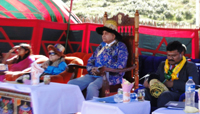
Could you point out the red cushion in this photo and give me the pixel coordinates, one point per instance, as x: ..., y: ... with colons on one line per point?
x: 85, y: 60
x: 83, y: 56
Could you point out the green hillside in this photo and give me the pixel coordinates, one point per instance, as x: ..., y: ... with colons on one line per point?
x: 160, y: 10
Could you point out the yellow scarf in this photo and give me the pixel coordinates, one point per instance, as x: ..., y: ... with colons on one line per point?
x: 176, y: 70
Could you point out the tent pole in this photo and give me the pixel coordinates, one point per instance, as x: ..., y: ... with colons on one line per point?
x: 68, y: 25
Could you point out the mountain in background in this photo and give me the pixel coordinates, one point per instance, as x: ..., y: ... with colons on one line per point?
x: 160, y: 10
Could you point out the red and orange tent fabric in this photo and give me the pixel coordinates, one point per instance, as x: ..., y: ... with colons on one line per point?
x: 50, y: 10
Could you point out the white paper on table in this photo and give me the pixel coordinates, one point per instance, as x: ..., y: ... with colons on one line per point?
x: 36, y: 71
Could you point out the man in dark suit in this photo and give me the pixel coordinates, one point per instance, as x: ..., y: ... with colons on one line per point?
x: 173, y: 74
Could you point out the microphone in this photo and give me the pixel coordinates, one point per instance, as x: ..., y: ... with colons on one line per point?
x: 197, y: 86
x: 145, y: 76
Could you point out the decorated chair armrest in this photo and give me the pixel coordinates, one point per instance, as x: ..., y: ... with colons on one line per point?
x: 112, y: 88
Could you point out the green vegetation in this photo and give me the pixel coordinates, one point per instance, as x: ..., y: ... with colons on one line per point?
x: 160, y: 10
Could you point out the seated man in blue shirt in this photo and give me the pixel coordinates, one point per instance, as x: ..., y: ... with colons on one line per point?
x: 111, y: 53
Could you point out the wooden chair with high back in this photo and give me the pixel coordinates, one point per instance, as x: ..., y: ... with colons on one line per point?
x: 128, y: 28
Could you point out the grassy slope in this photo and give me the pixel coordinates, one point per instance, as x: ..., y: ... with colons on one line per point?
x: 148, y: 9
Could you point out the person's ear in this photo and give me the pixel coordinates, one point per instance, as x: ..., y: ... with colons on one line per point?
x: 114, y: 36
x: 182, y: 53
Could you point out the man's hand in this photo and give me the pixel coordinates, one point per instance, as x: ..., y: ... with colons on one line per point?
x: 169, y: 84
x: 95, y: 71
x: 99, y: 71
x: 146, y: 84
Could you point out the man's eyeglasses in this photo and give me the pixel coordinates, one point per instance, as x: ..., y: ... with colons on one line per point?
x: 52, y: 53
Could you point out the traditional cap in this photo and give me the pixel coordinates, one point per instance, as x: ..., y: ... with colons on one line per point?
x: 109, y: 26
x: 57, y: 48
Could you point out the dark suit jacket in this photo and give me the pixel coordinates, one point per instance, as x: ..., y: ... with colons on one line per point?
x: 189, y: 69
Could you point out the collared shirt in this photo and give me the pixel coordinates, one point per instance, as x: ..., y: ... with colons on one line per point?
x: 174, y: 67
x: 171, y: 66
x: 104, y: 47
x: 113, y: 57
x: 110, y: 43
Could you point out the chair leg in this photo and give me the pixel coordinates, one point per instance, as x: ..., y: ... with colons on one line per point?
x: 84, y: 92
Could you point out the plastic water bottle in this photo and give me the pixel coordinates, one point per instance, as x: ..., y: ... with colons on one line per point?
x: 189, y: 93
x: 120, y: 94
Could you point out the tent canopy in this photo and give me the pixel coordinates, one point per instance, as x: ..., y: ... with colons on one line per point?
x: 50, y: 10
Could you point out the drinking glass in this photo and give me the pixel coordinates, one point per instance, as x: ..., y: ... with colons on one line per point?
x: 46, y: 79
x: 117, y: 98
x: 120, y: 98
x: 120, y: 91
x: 25, y: 77
x: 141, y: 94
x: 120, y: 94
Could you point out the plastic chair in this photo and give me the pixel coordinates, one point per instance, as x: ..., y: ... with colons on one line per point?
x: 182, y: 97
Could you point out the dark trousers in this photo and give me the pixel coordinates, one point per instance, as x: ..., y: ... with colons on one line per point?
x: 164, y: 98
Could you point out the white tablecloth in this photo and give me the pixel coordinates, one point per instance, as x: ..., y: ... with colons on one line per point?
x: 170, y: 111
x: 51, y: 99
x: 135, y: 107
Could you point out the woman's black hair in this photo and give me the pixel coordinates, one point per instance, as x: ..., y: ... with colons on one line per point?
x: 1, y: 56
x: 26, y: 55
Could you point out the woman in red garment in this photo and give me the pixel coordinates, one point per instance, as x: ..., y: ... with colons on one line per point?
x: 19, y: 62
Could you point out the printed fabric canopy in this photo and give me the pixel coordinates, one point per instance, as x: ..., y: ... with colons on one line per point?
x: 50, y: 10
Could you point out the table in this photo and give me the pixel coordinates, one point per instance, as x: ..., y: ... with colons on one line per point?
x: 170, y: 111
x: 55, y: 98
x: 134, y: 107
